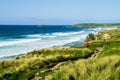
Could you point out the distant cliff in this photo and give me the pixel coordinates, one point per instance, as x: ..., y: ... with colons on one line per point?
x: 97, y: 25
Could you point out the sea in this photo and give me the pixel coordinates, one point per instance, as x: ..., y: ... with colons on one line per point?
x: 20, y: 39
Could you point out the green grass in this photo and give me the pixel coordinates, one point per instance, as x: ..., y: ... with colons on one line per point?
x: 94, y: 25
x: 111, y: 48
x: 107, y: 68
x: 25, y: 67
x: 111, y: 45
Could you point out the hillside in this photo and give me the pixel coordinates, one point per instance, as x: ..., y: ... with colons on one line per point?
x: 100, y: 61
x: 26, y: 67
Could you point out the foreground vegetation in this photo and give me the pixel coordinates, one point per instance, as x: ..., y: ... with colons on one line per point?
x: 107, y: 68
x: 25, y: 67
x: 75, y: 63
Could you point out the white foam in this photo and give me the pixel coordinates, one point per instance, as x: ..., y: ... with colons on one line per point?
x: 9, y: 43
x: 53, y: 35
x: 33, y: 35
x: 67, y: 33
x: 40, y: 36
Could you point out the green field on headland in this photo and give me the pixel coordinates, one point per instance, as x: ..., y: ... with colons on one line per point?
x: 100, y: 61
x: 94, y: 25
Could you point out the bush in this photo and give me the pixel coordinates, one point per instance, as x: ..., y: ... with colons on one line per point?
x: 90, y: 37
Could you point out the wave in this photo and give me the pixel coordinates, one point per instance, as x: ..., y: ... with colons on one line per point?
x: 52, y: 35
x: 39, y: 36
x: 64, y: 42
x: 36, y: 37
x: 35, y: 44
x: 67, y: 33
x: 10, y: 43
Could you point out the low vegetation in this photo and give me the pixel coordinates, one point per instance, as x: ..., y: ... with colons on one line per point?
x: 90, y: 37
x: 107, y: 68
x: 26, y: 66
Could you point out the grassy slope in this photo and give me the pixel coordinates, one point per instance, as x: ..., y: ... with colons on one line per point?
x: 105, y: 67
x: 112, y: 45
x: 26, y: 67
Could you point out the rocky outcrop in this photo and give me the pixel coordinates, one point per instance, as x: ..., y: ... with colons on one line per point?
x: 90, y: 37
x: 102, y: 36
x: 98, y: 36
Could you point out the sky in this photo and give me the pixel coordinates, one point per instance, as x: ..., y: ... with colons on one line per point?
x: 59, y: 12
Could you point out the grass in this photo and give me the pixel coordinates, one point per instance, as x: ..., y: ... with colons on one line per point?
x: 111, y: 48
x: 27, y: 66
x: 114, y: 34
x: 111, y: 45
x: 107, y: 68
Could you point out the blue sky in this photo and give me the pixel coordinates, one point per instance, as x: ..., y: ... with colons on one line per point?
x: 59, y: 11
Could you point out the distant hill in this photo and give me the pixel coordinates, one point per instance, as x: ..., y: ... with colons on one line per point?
x: 97, y: 25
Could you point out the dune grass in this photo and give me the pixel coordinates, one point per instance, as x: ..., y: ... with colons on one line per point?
x: 111, y: 47
x: 25, y: 67
x: 107, y: 68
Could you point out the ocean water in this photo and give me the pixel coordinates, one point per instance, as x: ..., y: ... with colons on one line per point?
x: 20, y: 39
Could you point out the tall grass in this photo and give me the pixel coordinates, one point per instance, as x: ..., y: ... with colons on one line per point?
x: 107, y: 68
x: 31, y: 63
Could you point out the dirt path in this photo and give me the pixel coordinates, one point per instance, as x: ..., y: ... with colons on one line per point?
x: 49, y: 70
x: 57, y: 66
x: 53, y: 68
x: 96, y: 53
